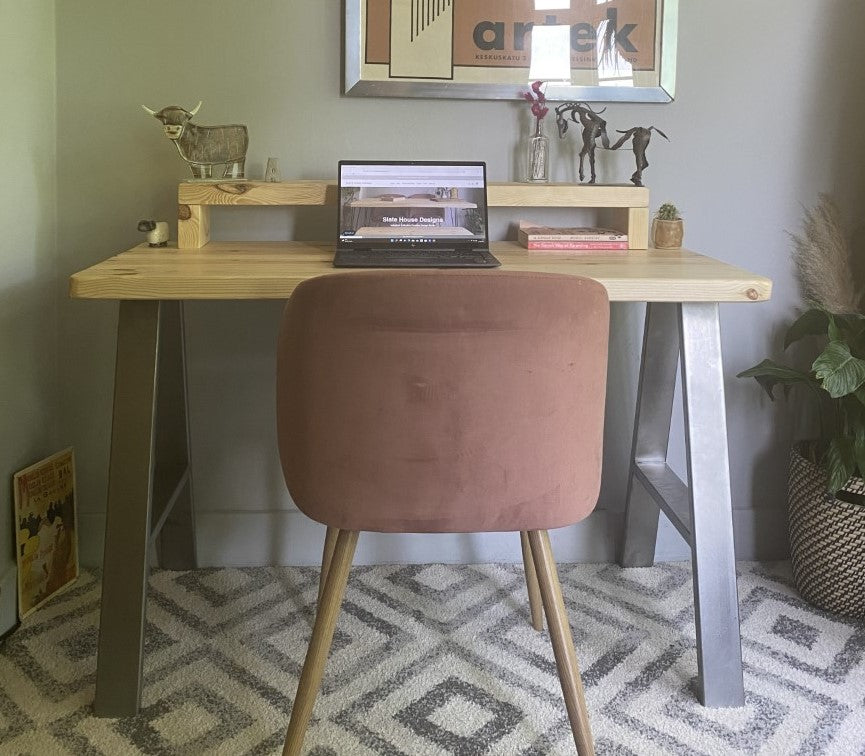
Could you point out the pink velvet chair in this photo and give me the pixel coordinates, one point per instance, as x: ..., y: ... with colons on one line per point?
x: 443, y: 402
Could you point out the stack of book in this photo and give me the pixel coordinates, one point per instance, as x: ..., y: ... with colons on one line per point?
x: 580, y: 239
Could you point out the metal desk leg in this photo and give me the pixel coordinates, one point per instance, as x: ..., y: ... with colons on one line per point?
x: 145, y: 395
x: 713, y: 561
x: 651, y: 429
x: 127, y: 533
x: 173, y: 516
x: 700, y: 511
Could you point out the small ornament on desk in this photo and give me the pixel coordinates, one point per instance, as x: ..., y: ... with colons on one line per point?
x: 157, y: 232
x: 667, y: 227
x: 271, y: 172
x: 640, y: 136
x: 538, y: 165
x: 204, y: 146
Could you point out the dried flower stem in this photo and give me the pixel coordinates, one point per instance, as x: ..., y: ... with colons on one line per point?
x: 823, y: 260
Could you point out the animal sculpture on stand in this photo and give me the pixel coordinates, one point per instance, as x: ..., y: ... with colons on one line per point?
x: 640, y: 136
x: 204, y: 146
x: 593, y: 127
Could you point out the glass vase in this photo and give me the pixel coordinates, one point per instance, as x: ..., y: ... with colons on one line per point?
x: 538, y: 165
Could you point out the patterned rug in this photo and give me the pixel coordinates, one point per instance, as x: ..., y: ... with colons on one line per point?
x: 436, y: 659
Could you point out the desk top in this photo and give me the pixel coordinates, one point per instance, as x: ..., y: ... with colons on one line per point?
x: 271, y: 270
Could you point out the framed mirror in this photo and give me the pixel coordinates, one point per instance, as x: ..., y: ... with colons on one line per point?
x: 592, y: 50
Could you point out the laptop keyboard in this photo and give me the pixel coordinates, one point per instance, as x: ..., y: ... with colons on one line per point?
x: 440, y: 258
x: 438, y: 255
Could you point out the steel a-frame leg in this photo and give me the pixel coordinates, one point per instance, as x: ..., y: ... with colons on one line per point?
x: 149, y: 491
x: 701, y: 510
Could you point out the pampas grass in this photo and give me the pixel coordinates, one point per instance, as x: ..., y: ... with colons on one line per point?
x: 823, y: 259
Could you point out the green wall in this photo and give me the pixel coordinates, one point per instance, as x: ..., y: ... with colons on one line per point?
x: 28, y: 255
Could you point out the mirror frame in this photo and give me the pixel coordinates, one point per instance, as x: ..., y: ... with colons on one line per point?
x: 356, y: 85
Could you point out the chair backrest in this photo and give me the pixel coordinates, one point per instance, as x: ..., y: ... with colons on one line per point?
x: 443, y: 401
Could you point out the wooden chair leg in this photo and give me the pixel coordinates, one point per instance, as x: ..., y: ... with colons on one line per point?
x: 326, y: 557
x: 562, y: 640
x: 535, y: 604
x: 319, y: 644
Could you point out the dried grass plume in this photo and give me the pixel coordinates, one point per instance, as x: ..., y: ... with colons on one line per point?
x: 823, y: 259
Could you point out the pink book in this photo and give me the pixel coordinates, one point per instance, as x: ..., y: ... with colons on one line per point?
x: 579, y: 246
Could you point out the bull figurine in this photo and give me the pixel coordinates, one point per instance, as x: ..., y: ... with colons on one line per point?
x: 204, y: 146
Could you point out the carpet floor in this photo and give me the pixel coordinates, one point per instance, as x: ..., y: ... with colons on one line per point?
x: 436, y: 659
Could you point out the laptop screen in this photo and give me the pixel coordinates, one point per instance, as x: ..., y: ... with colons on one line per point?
x: 412, y: 204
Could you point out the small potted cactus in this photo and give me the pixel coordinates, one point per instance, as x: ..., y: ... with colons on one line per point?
x: 667, y: 227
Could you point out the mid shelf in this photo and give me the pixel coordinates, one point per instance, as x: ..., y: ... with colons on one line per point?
x: 630, y: 204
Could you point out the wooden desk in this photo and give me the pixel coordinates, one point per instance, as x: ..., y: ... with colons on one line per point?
x: 271, y: 270
x: 149, y: 481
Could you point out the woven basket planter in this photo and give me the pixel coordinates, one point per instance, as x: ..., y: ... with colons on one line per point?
x: 827, y: 540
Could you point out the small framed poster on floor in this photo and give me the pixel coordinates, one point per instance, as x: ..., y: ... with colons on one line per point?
x: 46, y: 521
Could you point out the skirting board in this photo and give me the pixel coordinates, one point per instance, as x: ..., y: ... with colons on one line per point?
x: 289, y: 538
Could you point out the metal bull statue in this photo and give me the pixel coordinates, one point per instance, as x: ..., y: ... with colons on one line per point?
x: 204, y: 146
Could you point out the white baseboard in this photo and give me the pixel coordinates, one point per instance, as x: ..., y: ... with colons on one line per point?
x: 286, y: 537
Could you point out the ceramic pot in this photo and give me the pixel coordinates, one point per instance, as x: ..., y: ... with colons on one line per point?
x: 667, y: 234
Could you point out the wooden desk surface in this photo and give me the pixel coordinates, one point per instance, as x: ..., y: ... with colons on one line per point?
x: 271, y: 270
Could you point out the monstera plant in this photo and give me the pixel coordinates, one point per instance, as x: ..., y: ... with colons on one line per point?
x: 835, y: 383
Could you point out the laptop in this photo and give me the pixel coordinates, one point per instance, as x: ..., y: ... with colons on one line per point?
x: 412, y: 214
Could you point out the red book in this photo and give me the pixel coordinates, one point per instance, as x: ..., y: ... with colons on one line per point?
x: 597, y: 246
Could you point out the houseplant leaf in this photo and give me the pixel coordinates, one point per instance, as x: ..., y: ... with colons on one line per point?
x: 840, y: 463
x: 836, y: 330
x: 838, y: 370
x: 854, y: 333
x: 813, y: 322
x: 769, y: 374
x: 859, y: 451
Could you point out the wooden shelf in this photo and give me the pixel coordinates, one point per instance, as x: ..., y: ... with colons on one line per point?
x: 629, y: 204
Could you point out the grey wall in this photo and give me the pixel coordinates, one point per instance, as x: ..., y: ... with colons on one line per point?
x: 769, y: 97
x: 28, y: 265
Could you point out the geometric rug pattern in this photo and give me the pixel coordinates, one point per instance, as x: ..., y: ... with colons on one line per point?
x: 436, y: 659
